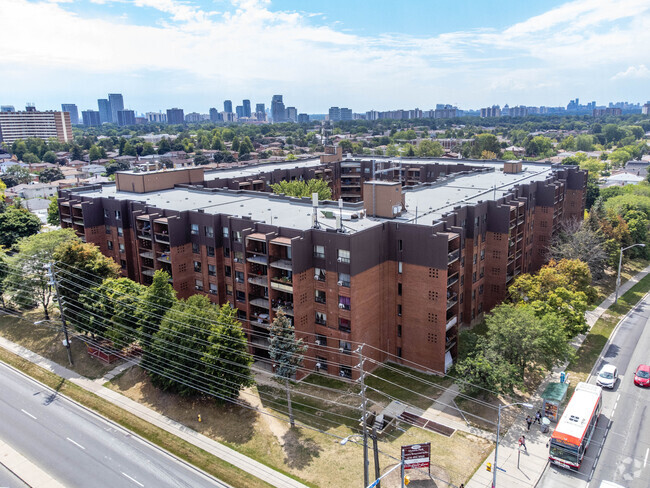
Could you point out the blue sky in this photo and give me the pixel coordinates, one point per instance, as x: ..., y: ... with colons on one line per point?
x: 363, y: 54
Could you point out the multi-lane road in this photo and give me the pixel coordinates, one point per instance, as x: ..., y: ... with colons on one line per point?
x: 620, y: 449
x: 80, y: 448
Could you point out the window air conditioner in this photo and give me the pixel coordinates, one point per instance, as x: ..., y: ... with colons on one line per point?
x: 340, y: 283
x: 340, y: 260
x: 340, y: 349
x: 315, y: 277
x: 319, y: 365
x: 341, y: 305
x: 317, y: 342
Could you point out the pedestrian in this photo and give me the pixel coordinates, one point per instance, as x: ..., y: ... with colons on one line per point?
x: 522, y: 443
x: 538, y: 417
x: 529, y: 421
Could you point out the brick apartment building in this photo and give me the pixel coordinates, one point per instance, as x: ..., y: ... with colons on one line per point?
x: 417, y: 249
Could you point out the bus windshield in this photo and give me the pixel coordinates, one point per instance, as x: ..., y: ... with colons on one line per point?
x: 564, y: 453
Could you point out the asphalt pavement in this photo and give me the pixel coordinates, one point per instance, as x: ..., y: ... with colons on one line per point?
x: 79, y: 448
x: 9, y: 479
x: 619, y: 451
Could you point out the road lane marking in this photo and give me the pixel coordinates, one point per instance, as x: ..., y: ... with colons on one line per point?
x: 645, y: 461
x: 76, y: 444
x: 135, y: 481
x: 27, y: 413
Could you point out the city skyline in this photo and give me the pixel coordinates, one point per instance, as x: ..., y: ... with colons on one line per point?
x: 542, y: 53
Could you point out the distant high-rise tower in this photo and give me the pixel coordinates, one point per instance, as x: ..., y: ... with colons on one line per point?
x: 105, y: 115
x: 291, y: 114
x: 259, y: 107
x: 277, y: 109
x: 227, y: 106
x: 175, y: 116
x: 247, y: 108
x: 125, y: 117
x: 215, y: 116
x: 7, y: 108
x: 71, y: 108
x: 239, y: 109
x: 117, y: 104
x: 90, y: 118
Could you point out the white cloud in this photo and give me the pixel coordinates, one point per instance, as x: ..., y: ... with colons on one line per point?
x: 640, y: 71
x: 254, y: 48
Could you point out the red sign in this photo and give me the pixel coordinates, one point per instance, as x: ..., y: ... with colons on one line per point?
x: 416, y: 455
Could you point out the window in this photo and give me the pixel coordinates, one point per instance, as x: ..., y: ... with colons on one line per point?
x: 208, y: 230
x: 227, y: 270
x: 321, y: 340
x: 118, y: 215
x: 480, y: 289
x: 239, y: 276
x: 399, y: 267
x: 321, y: 363
x: 110, y: 245
x: 345, y: 372
x: 195, y: 229
x: 344, y: 279
x: 229, y: 290
x: 320, y: 296
x: 239, y: 256
x: 198, y: 285
x: 399, y: 310
x: 482, y: 273
x: 344, y: 303
x: 399, y: 352
x: 400, y: 246
x: 474, y: 259
x: 226, y: 232
x: 195, y: 248
x: 211, y: 251
x: 321, y: 319
x: 123, y: 263
x: 345, y: 347
x: 399, y: 289
x: 197, y: 266
x: 237, y: 236
x: 241, y: 315
x: 120, y: 232
x: 474, y: 277
x: 344, y: 256
x: 108, y: 229
x: 122, y: 248
x: 344, y: 325
x: 240, y: 296
x: 226, y: 252
x: 319, y: 274
x: 106, y: 213
x: 212, y: 270
x: 213, y: 288
x: 482, y: 254
x: 399, y: 330
x: 319, y: 252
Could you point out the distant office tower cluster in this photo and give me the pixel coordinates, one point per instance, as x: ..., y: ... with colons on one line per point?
x: 32, y: 123
x: 280, y: 113
x: 442, y: 111
x: 337, y: 114
x: 493, y: 111
x: 71, y: 108
x: 110, y: 111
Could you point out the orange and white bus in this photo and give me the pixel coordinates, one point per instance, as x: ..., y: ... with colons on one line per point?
x: 576, y: 427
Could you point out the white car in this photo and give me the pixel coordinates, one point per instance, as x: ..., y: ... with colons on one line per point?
x: 607, y: 376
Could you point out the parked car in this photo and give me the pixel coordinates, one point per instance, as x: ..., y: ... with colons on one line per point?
x: 642, y: 375
x: 607, y: 376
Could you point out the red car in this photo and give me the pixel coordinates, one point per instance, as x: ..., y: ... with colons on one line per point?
x: 642, y: 375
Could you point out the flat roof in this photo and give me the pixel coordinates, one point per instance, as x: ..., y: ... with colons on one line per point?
x: 430, y: 200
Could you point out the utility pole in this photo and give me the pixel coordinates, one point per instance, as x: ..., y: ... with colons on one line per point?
x: 376, y: 452
x: 364, y: 418
x: 52, y: 275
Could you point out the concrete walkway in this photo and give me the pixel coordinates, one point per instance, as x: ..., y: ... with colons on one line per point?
x: 24, y: 469
x: 522, y: 469
x: 211, y: 446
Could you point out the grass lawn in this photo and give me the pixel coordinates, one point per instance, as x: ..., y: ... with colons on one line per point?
x: 596, y: 339
x: 607, y: 284
x: 46, y: 340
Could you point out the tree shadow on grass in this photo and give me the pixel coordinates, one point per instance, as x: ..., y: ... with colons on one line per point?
x: 299, y: 449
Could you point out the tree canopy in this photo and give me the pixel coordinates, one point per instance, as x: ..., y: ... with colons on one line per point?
x: 16, y: 223
x: 301, y: 188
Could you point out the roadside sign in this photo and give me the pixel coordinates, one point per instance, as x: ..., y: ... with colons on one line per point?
x: 416, y: 456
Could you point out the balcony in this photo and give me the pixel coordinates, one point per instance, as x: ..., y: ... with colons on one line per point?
x: 144, y: 234
x: 148, y: 272
x: 165, y: 258
x: 261, y: 280
x: 162, y: 238
x: 79, y: 222
x: 148, y: 255
x: 260, y: 302
x: 286, y: 287
x: 287, y: 309
x: 453, y: 279
x: 285, y: 264
x: 453, y: 256
x: 449, y: 345
x: 452, y: 300
x: 451, y: 322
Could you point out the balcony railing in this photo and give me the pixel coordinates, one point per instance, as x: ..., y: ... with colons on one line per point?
x: 451, y: 301
x: 260, y: 280
x: 453, y: 255
x: 260, y: 302
x: 452, y: 321
x: 258, y: 260
x: 452, y: 279
x: 147, y: 254
x: 143, y: 234
x: 162, y: 237
x: 285, y: 264
x: 288, y: 288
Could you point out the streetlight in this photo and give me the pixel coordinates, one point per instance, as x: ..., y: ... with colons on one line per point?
x: 66, y: 341
x: 620, y: 261
x: 496, y: 449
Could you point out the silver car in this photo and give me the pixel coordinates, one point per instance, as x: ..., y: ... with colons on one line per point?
x: 607, y: 376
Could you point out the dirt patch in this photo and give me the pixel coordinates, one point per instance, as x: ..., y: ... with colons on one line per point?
x: 47, y: 341
x: 300, y: 448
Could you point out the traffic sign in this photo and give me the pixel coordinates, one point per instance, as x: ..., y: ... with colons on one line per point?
x: 417, y: 456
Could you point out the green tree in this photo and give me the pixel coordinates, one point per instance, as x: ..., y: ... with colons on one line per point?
x: 578, y: 241
x: 484, y: 370
x: 16, y: 223
x: 77, y: 154
x: 620, y: 157
x: 16, y: 175
x: 286, y: 351
x: 392, y: 150
x: 246, y: 146
x: 164, y: 146
x: 147, y: 149
x: 299, y: 188
x: 114, y: 166
x: 584, y: 143
x: 53, y: 212
x: 29, y: 263
x: 538, y: 146
x: 128, y: 150
x: 94, y: 153
x: 31, y: 158
x: 49, y: 157
x: 50, y: 174
x: 235, y: 144
x: 4, y: 273
x: 200, y: 349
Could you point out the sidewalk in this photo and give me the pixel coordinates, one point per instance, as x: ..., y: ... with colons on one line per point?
x: 215, y: 448
x: 24, y: 469
x: 531, y: 466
